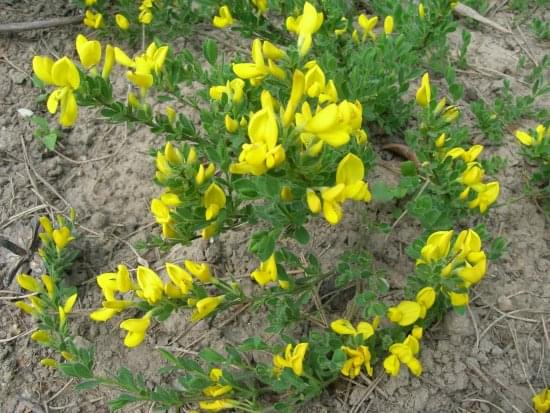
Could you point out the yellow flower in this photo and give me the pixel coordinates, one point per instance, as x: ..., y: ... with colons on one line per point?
x: 145, y: 14
x: 26, y: 307
x: 296, y: 93
x: 150, y: 285
x: 421, y: 11
x: 426, y: 299
x: 473, y: 174
x: 467, y: 156
x: 349, y: 185
x: 261, y: 5
x: 313, y: 201
x: 528, y: 140
x: 136, y: 327
x: 104, y: 314
x: 93, y: 20
x: 89, y: 3
x: 62, y: 237
x: 262, y: 153
x: 440, y: 141
x: 179, y: 277
x: 368, y: 25
x: 28, y: 283
x: 424, y: 93
x: 305, y: 26
x: 217, y: 389
x: 437, y: 247
x: 89, y: 51
x: 388, y: 25
x: 231, y: 125
x: 224, y: 19
x: 214, y: 201
x: 121, y: 21
x: 206, y: 306
x: 200, y: 271
x: 403, y: 353
x: 541, y: 401
x: 267, y: 272
x: 49, y: 362
x: 487, y: 194
x: 46, y: 226
x: 405, y: 314
x: 41, y: 336
x: 357, y: 358
x: 468, y: 241
x: 204, y: 173
x: 344, y: 327
x: 472, y: 274
x: 217, y: 405
x: 63, y: 74
x: 254, y: 71
x: 234, y: 89
x: 293, y: 359
x: 450, y: 114
x: 458, y: 299
x: 109, y: 61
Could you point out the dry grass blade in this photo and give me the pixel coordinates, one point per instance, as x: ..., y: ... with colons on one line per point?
x: 466, y: 11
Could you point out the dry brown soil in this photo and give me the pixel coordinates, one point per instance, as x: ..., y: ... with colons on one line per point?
x: 490, y: 360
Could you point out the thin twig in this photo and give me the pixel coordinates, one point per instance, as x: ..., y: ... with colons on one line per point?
x: 60, y: 391
x: 367, y: 393
x: 21, y: 214
x: 484, y: 401
x: 39, y: 24
x: 26, y: 333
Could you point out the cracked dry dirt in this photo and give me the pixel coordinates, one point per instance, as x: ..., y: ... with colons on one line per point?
x: 486, y: 361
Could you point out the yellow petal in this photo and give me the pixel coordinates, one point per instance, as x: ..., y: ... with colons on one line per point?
x: 342, y: 327
x: 42, y: 67
x: 65, y: 73
x: 350, y: 169
x: 313, y: 201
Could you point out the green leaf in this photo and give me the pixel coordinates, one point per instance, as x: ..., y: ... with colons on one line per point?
x: 87, y: 384
x: 77, y: 370
x: 210, y: 51
x: 408, y: 168
x: 253, y: 343
x: 207, y: 354
x: 262, y: 244
x: 245, y: 187
x: 381, y: 192
x: 50, y: 140
x: 121, y: 401
x: 301, y: 235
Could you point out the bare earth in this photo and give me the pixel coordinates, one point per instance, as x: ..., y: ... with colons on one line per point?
x: 487, y: 361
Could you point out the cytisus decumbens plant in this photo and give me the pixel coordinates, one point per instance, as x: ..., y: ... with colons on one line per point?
x: 283, y: 141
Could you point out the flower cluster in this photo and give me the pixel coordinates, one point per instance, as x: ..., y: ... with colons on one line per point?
x: 472, y: 178
x: 143, y: 65
x: 405, y: 352
x: 152, y: 290
x: 349, y: 185
x: 305, y: 25
x: 293, y: 358
x: 541, y: 133
x: 465, y: 259
x: 359, y: 355
x: 173, y: 166
x: 541, y: 401
x: 408, y: 312
x: 145, y: 13
x: 424, y: 99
